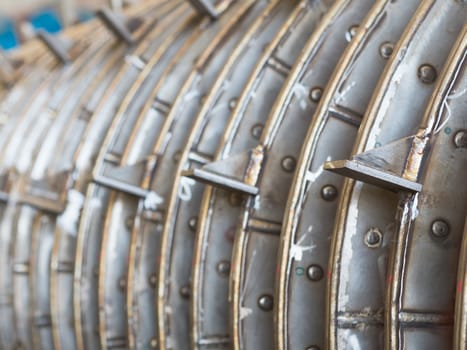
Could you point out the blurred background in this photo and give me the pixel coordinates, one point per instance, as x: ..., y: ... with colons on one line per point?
x: 20, y: 18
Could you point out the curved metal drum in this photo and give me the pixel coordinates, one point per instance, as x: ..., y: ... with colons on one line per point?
x: 63, y: 253
x: 172, y: 304
x: 304, y: 248
x: 209, y: 328
x: 9, y: 111
x: 140, y: 297
x: 430, y: 224
x: 365, y: 222
x: 112, y: 267
x: 460, y: 322
x: 87, y: 253
x: 109, y: 239
x: 43, y: 235
x: 252, y: 110
x: 85, y: 319
x: 26, y: 69
x: 24, y: 298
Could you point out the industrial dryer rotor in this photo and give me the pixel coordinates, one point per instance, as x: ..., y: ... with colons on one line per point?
x: 250, y: 174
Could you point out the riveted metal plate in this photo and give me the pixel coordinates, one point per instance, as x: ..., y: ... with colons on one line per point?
x: 364, y: 209
x: 172, y: 299
x: 201, y: 145
x: 266, y: 81
x: 305, y: 242
x: 178, y: 71
x: 430, y: 224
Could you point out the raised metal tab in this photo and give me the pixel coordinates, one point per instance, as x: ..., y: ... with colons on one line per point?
x: 60, y: 48
x: 118, y: 25
x: 382, y: 166
x: 236, y: 173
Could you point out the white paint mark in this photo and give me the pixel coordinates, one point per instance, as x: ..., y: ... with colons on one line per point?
x: 245, y: 312
x: 301, y: 92
x: 68, y: 221
x: 341, y: 96
x: 184, y: 191
x: 152, y: 201
x: 297, y: 250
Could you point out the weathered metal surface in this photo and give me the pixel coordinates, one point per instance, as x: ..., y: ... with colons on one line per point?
x: 430, y: 224
x: 367, y: 213
x: 305, y: 242
x: 109, y: 133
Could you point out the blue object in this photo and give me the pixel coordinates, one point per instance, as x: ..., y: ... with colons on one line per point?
x: 8, y: 37
x: 46, y: 19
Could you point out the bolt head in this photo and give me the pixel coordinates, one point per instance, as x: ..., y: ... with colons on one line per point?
x: 329, y: 193
x: 427, y: 73
x: 351, y: 32
x: 177, y: 156
x: 257, y: 130
x: 223, y: 268
x: 266, y: 302
x: 233, y: 103
x: 460, y: 139
x: 129, y: 222
x: 193, y: 223
x: 185, y: 292
x: 289, y: 164
x: 374, y: 238
x: 315, y: 94
x: 153, y: 281
x: 440, y: 228
x: 315, y: 273
x: 386, y: 49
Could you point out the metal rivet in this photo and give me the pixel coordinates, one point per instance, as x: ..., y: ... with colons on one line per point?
x: 192, y: 223
x: 266, y: 302
x: 233, y: 103
x: 177, y: 156
x: 427, y: 73
x: 329, y: 193
x: 223, y: 268
x: 351, y: 32
x: 315, y: 94
x: 315, y: 273
x: 440, y: 228
x: 129, y: 222
x: 235, y: 199
x: 373, y: 238
x: 460, y: 139
x: 153, y: 343
x: 153, y: 281
x: 122, y: 283
x: 386, y: 49
x: 257, y: 130
x: 185, y: 292
x: 288, y: 164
